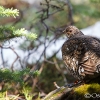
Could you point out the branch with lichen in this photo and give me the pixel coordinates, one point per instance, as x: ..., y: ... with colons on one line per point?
x: 82, y: 91
x: 58, y: 93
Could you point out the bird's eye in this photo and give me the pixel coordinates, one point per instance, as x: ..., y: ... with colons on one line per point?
x: 70, y: 30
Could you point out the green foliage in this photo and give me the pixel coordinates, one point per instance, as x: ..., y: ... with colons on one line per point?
x: 16, y: 76
x: 23, y: 32
x: 95, y: 1
x: 2, y: 95
x: 6, y: 33
x: 9, y: 12
x: 11, y: 32
x: 15, y: 81
x: 27, y: 94
x: 34, y: 73
x: 88, y: 12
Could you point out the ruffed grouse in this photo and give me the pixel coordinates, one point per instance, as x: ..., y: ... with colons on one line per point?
x: 81, y: 54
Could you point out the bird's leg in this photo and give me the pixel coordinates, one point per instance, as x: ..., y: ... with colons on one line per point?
x: 76, y: 83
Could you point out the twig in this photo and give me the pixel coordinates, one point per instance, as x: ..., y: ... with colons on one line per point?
x: 70, y: 13
x: 55, y: 84
x: 17, y: 57
x: 3, y: 62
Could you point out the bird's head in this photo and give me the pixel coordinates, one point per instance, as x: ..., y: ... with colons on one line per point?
x: 71, y: 31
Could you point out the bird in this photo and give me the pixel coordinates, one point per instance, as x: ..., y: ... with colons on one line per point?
x: 81, y: 54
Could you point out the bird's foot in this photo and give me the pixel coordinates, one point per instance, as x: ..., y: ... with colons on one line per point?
x: 76, y: 83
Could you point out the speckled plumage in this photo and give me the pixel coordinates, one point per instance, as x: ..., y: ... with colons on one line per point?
x: 81, y: 54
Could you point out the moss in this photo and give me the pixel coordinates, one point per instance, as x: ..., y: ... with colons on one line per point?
x: 82, y: 89
x: 88, y: 88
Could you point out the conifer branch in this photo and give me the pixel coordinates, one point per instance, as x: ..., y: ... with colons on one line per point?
x: 9, y: 12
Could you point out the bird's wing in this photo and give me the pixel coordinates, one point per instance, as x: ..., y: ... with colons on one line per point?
x: 90, y: 63
x: 81, y: 55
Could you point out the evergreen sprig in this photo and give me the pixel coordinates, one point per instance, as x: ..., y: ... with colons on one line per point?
x: 23, y: 32
x: 9, y: 12
x: 16, y: 76
x: 11, y: 32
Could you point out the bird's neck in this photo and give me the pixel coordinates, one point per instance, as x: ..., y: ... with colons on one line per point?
x: 77, y: 34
